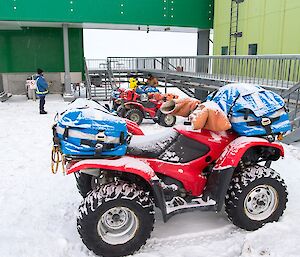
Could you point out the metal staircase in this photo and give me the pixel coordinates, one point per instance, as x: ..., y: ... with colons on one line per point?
x: 234, y: 33
x: 199, y: 75
x: 291, y: 97
x: 98, y: 83
x: 111, y: 76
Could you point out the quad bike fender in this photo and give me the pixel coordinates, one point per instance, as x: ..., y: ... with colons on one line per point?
x: 123, y: 164
x: 129, y: 165
x: 133, y: 128
x: 136, y: 104
x: 233, y: 152
x: 221, y: 175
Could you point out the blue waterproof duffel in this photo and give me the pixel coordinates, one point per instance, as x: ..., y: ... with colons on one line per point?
x: 252, y: 110
x: 88, y: 130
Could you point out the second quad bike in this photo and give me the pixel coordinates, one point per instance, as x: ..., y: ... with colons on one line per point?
x: 137, y: 107
x: 176, y: 171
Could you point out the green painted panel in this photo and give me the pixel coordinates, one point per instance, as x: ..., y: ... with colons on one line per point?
x: 25, y: 50
x: 221, y: 25
x: 253, y: 9
x: 271, y: 24
x: 274, y: 6
x: 184, y: 13
x: 291, y: 32
x: 271, y: 42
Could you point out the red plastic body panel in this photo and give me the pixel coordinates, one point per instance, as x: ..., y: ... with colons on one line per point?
x: 190, y: 174
x: 130, y: 95
x: 124, y: 164
x: 134, y: 128
x: 137, y: 105
x: 225, y: 148
x: 236, y: 149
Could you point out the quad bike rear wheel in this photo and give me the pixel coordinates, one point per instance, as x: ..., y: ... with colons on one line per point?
x: 167, y: 120
x: 116, y: 219
x: 255, y: 197
x: 135, y: 115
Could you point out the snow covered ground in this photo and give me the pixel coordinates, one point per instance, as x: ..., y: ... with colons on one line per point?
x: 38, y: 209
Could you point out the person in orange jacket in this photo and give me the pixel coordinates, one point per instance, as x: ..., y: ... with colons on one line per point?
x: 152, y: 81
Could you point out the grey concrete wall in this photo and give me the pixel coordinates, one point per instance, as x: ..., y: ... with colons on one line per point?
x: 14, y: 83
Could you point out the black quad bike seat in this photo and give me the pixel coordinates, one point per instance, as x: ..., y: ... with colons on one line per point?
x: 151, y: 146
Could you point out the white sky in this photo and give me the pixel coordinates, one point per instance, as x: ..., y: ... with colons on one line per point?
x: 99, y: 44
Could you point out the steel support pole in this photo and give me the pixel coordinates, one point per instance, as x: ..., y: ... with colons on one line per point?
x: 3, y: 95
x: 203, y: 42
x: 67, y: 78
x: 202, y: 67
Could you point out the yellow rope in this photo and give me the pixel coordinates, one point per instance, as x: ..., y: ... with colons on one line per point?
x: 57, y: 158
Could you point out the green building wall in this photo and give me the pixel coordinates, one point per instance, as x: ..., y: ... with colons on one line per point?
x: 271, y: 24
x: 184, y: 13
x: 25, y: 50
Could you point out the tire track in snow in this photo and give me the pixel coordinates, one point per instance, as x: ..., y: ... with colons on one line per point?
x: 218, y: 242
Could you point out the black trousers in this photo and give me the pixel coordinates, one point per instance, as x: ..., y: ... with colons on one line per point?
x: 42, y: 102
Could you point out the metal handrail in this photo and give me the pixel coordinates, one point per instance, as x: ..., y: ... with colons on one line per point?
x: 280, y: 71
x: 162, y: 63
x: 270, y: 56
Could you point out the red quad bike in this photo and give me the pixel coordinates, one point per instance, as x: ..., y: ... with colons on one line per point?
x: 176, y: 171
x: 136, y: 107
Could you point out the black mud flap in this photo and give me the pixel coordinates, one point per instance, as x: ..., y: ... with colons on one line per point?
x: 159, y: 198
x: 217, y: 186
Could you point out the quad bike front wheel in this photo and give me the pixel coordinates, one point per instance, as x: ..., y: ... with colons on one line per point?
x: 116, y: 219
x: 255, y: 197
x: 167, y: 120
x: 115, y: 106
x: 135, y: 115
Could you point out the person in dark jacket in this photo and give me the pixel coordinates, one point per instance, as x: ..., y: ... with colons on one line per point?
x: 41, y: 89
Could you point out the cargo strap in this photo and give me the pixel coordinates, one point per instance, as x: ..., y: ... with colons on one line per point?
x: 266, y: 123
x: 99, y: 137
x: 98, y: 146
x: 229, y: 115
x: 249, y: 118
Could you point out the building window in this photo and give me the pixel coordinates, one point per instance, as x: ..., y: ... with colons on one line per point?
x: 252, y: 50
x: 224, y: 50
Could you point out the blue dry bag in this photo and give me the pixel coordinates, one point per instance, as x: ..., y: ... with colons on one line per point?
x: 252, y: 110
x: 86, y: 129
